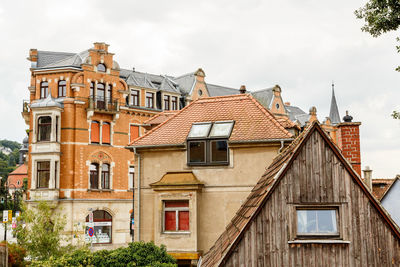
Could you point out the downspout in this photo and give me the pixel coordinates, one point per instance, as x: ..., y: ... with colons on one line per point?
x: 138, y: 192
x: 280, y: 149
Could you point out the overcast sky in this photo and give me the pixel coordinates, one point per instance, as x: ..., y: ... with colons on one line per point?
x: 300, y: 45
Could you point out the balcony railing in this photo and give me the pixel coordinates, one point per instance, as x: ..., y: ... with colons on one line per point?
x: 103, y: 104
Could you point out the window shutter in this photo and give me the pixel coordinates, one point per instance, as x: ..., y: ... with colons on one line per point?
x: 134, y: 132
x: 105, y: 133
x: 95, y: 132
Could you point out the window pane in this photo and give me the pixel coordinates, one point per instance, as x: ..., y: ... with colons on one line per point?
x: 101, y: 67
x: 221, y: 129
x: 219, y: 151
x: 316, y: 221
x: 44, y: 131
x: 199, y: 130
x: 183, y: 223
x: 43, y: 174
x: 170, y: 221
x: 197, y: 152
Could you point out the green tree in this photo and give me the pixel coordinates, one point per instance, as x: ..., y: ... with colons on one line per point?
x: 41, y: 234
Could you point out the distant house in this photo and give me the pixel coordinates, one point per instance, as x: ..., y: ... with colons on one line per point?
x: 391, y: 200
x: 310, y: 208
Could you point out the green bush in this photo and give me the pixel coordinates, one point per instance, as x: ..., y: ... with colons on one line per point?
x: 136, y: 254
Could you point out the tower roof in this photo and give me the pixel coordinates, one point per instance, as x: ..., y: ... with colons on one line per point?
x: 334, y: 111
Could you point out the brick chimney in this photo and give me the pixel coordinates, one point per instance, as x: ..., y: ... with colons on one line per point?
x: 101, y: 46
x: 349, y: 141
x: 242, y: 89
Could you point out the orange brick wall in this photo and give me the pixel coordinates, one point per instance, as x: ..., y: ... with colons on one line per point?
x: 349, y: 142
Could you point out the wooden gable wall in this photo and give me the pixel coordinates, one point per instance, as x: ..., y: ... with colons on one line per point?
x: 316, y: 177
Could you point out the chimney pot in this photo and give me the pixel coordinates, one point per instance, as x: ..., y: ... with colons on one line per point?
x: 368, y: 177
x: 347, y: 118
x: 242, y: 89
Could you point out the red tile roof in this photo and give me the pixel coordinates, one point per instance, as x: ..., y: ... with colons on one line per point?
x: 381, y: 186
x: 252, y: 121
x: 18, y: 175
x: 265, y: 186
x: 161, y: 117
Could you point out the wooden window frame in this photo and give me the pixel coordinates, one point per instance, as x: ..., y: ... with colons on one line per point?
x: 97, y: 175
x: 135, y: 98
x: 176, y: 209
x: 44, y: 89
x: 39, y: 127
x: 38, y: 171
x: 174, y: 103
x: 105, y: 175
x: 62, y: 88
x: 305, y: 236
x: 166, y: 99
x: 149, y: 100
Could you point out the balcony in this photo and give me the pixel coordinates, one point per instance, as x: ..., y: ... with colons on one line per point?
x: 102, y: 105
x: 26, y: 111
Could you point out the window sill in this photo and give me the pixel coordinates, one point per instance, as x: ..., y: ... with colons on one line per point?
x: 176, y: 233
x: 98, y: 144
x: 319, y: 241
x: 100, y: 190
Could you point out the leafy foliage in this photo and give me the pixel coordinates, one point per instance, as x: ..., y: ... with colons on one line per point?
x: 136, y: 254
x: 41, y: 234
x: 16, y: 255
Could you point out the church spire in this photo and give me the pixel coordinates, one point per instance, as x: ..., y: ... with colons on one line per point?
x: 334, y: 111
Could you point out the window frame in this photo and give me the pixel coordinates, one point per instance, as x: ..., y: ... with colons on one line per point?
x: 44, y: 89
x: 63, y: 88
x: 148, y: 98
x: 135, y: 98
x: 97, y: 176
x: 38, y: 171
x: 105, y: 176
x: 131, y: 177
x: 39, y: 127
x: 176, y: 209
x: 102, y: 65
x: 166, y: 100
x: 174, y: 103
x: 302, y: 236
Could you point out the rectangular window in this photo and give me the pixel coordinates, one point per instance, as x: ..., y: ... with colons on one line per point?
x: 174, y: 103
x: 91, y: 93
x: 43, y: 174
x: 166, y: 102
x: 134, y: 132
x: 131, y: 174
x: 197, y: 151
x: 149, y: 100
x: 95, y: 132
x: 62, y: 88
x: 105, y: 176
x: 105, y: 133
x: 317, y: 222
x: 219, y: 151
x: 134, y: 97
x: 94, y: 176
x: 176, y: 216
x: 44, y: 129
x: 55, y: 173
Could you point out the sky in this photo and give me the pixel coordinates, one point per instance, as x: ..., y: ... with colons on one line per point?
x: 300, y: 45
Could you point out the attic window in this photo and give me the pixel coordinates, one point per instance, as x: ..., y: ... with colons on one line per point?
x: 208, y: 143
x: 317, y: 222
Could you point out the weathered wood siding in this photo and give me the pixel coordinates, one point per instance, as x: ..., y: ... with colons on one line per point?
x: 317, y: 177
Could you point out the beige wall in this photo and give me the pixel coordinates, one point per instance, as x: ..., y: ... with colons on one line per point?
x: 225, y: 188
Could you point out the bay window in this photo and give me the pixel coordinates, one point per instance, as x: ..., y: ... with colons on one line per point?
x: 44, y: 128
x: 43, y: 174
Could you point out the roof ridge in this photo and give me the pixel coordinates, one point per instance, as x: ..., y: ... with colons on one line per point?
x: 261, y: 90
x: 221, y: 96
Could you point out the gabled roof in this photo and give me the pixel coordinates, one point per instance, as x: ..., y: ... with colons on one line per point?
x: 20, y: 170
x: 186, y: 82
x: 252, y: 121
x: 161, y: 117
x: 381, y: 186
x: 265, y: 187
x: 218, y: 90
x: 297, y: 114
x: 389, y: 186
x: 264, y: 96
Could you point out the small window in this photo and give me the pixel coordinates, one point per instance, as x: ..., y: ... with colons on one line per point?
x: 277, y: 106
x: 105, y: 176
x: 219, y: 151
x: 18, y: 182
x: 43, y: 174
x: 44, y: 89
x: 94, y: 176
x: 149, y: 100
x: 166, y: 102
x: 197, y: 151
x: 131, y: 177
x: 44, y: 128
x: 134, y: 97
x: 199, y: 130
x: 101, y: 67
x: 200, y: 92
x: 62, y: 88
x: 174, y: 103
x: 176, y: 216
x: 317, y: 222
x: 105, y: 133
x: 95, y: 132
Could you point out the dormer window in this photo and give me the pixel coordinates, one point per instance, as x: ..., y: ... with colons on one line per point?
x: 208, y: 143
x: 44, y: 89
x: 101, y: 67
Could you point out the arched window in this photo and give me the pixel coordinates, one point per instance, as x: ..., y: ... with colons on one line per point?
x: 101, y: 67
x: 44, y: 129
x: 44, y: 89
x: 62, y: 88
x: 94, y: 176
x: 102, y: 227
x: 105, y: 176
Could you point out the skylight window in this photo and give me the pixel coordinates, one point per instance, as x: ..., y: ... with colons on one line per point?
x: 200, y: 130
x: 221, y: 129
